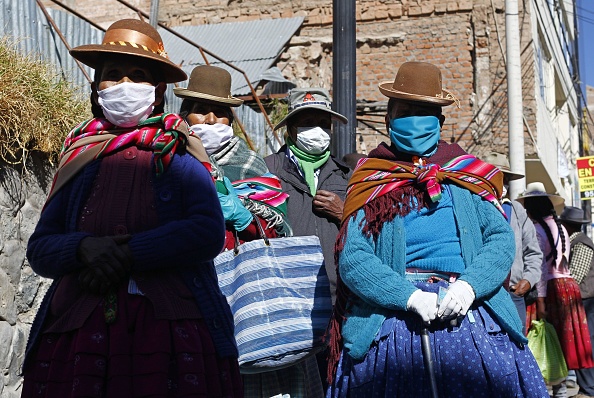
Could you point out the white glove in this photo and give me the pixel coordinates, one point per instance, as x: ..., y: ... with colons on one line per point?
x: 424, y: 304
x: 457, y: 300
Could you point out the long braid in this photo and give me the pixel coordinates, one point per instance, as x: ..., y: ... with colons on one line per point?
x: 553, y: 253
x: 561, y: 232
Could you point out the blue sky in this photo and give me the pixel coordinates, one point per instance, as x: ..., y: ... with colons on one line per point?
x: 585, y: 14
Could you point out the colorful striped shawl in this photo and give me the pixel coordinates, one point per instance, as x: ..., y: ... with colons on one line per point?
x: 266, y: 189
x: 376, y: 177
x: 96, y: 138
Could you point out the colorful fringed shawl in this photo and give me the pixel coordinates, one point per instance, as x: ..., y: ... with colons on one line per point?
x: 376, y: 177
x: 263, y: 196
x: 386, y: 185
x: 265, y: 189
x: 96, y: 138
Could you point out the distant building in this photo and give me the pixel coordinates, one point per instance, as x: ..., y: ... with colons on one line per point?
x: 466, y: 38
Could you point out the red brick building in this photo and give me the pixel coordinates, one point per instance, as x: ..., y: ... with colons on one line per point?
x: 466, y: 38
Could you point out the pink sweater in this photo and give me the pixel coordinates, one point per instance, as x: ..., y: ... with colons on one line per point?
x: 551, y: 268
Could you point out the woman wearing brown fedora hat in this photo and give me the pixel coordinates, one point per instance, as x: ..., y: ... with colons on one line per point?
x: 128, y: 234
x: 559, y: 299
x: 206, y: 106
x: 423, y: 251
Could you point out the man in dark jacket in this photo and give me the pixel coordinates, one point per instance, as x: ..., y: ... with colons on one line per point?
x: 315, y: 181
x: 581, y: 266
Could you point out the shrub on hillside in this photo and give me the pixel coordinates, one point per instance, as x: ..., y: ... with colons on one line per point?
x: 37, y: 106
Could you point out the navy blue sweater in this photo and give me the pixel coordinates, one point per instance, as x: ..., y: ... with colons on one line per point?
x: 190, y: 234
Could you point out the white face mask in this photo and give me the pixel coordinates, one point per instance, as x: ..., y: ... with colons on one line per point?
x: 127, y: 104
x: 213, y: 136
x: 313, y: 140
x: 504, y: 190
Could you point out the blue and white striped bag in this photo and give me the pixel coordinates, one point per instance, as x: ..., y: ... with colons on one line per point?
x: 279, y: 295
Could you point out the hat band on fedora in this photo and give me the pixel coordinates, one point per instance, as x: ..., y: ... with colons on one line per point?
x: 132, y: 38
x: 450, y: 96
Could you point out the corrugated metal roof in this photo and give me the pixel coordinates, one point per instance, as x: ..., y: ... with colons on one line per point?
x: 252, y: 46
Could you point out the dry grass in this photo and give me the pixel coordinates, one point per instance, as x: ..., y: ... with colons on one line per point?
x: 37, y: 106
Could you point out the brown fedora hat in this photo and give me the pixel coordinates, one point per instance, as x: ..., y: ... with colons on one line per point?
x: 501, y: 161
x: 209, y: 84
x: 131, y: 37
x: 418, y: 82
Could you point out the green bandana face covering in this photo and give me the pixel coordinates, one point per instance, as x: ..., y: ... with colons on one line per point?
x: 416, y: 135
x: 309, y: 163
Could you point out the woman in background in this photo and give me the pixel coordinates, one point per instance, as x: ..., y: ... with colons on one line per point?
x: 559, y: 300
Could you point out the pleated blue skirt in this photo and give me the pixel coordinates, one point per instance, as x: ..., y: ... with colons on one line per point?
x: 475, y: 358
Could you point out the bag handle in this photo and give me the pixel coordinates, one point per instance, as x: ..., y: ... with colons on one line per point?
x: 260, y: 229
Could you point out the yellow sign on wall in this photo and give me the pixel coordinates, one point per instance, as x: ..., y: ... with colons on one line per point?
x: 585, y: 169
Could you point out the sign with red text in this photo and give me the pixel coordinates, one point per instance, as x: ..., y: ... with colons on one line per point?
x: 585, y: 169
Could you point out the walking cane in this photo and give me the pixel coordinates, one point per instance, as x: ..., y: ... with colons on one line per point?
x: 426, y: 347
x: 428, y: 360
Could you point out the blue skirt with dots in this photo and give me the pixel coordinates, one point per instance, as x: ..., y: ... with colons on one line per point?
x: 474, y: 358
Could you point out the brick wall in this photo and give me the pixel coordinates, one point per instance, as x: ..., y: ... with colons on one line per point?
x: 464, y: 37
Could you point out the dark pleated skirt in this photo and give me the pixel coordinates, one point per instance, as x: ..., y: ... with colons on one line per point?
x: 565, y: 311
x: 136, y: 356
x: 476, y: 358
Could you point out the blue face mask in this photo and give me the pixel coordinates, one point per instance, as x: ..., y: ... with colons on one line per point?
x: 416, y: 135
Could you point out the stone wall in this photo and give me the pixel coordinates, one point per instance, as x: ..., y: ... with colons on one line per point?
x: 22, y: 195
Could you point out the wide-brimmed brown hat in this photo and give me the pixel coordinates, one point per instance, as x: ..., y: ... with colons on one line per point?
x: 418, y: 82
x: 209, y: 84
x: 302, y: 99
x: 501, y: 161
x: 573, y: 215
x: 535, y: 189
x: 130, y: 37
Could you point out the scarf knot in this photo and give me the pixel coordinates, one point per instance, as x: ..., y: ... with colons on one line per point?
x: 428, y: 175
x: 309, y: 164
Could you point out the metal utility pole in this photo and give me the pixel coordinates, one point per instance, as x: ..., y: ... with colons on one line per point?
x: 514, y: 97
x: 154, y: 16
x: 344, y: 76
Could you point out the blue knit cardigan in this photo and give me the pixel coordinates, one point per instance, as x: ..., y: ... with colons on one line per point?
x: 374, y: 270
x: 190, y: 235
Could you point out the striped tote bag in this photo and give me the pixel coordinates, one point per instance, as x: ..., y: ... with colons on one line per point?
x: 279, y: 295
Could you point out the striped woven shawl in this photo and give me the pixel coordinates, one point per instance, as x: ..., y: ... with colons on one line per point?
x: 96, y: 138
x: 374, y: 178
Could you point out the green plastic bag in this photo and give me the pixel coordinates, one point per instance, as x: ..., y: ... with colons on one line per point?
x: 544, y: 344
